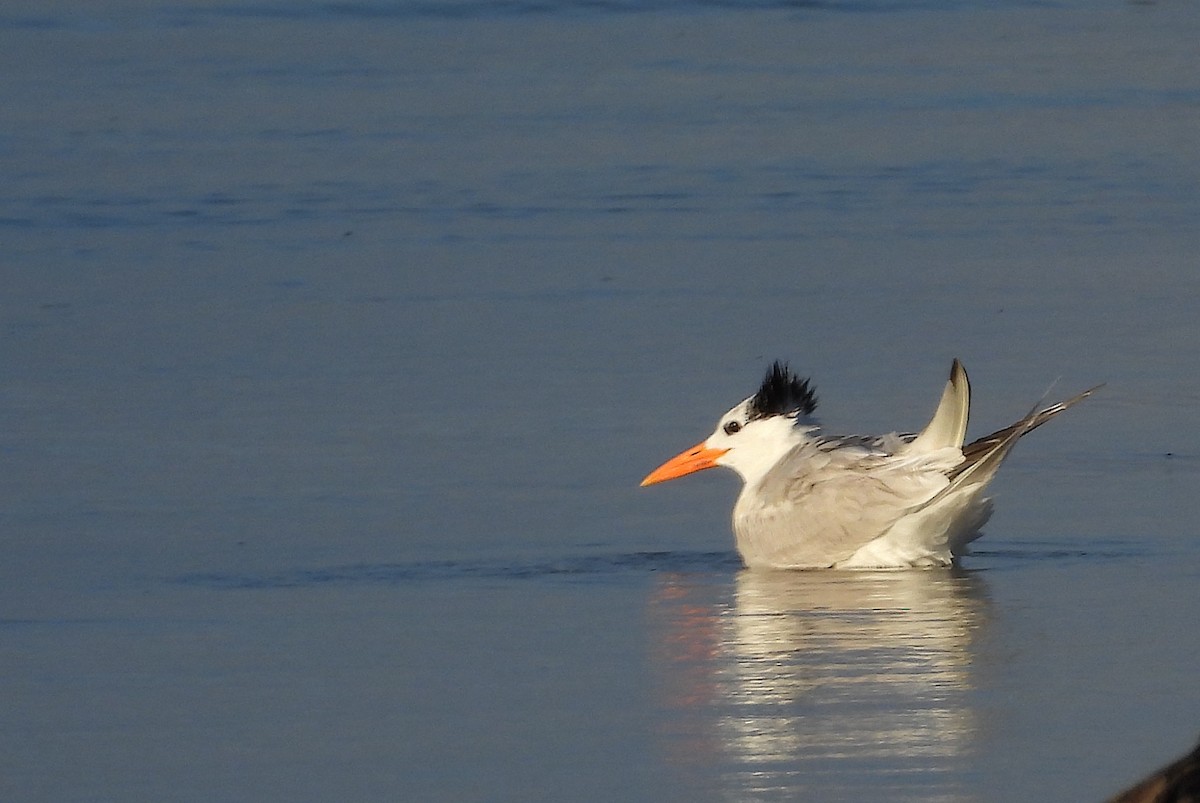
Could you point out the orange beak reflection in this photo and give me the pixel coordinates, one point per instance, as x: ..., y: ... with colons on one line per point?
x: 698, y: 458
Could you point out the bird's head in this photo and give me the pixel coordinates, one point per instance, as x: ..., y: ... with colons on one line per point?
x: 754, y: 435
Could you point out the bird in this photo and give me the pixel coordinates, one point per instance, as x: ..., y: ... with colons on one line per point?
x: 816, y: 501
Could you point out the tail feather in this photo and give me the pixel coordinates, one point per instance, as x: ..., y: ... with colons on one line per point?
x: 983, y: 457
x: 983, y: 449
x: 934, y: 531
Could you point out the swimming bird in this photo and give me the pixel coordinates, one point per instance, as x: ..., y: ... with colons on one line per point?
x: 811, y: 500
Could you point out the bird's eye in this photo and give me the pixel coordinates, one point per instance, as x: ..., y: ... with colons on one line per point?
x: 732, y: 427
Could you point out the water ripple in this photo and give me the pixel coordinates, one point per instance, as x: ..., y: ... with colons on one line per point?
x: 583, y: 568
x: 593, y: 568
x: 470, y: 9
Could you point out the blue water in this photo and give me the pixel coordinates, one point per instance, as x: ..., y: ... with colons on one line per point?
x: 336, y: 338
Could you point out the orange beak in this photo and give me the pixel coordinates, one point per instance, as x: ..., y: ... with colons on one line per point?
x: 698, y: 458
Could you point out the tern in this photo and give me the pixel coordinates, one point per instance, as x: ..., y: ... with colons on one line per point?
x: 813, y: 501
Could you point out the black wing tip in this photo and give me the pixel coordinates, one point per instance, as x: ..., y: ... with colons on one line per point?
x: 783, y: 393
x: 958, y: 377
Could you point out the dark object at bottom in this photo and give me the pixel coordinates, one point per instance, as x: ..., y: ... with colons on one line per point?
x: 1178, y: 782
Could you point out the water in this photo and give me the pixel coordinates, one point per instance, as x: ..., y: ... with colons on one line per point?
x: 337, y: 336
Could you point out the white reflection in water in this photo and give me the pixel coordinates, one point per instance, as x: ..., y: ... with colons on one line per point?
x: 820, y: 680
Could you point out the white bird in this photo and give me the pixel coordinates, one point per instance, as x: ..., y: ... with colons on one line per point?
x: 853, y: 502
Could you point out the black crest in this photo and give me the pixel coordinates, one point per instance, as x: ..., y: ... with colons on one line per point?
x: 782, y: 393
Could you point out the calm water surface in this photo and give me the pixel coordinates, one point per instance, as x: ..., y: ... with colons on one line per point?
x: 337, y: 336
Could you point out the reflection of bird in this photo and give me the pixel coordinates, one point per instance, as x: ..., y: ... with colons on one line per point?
x: 1178, y: 782
x: 821, y: 685
x: 819, y: 501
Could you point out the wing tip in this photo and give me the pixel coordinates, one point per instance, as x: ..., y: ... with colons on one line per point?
x: 948, y: 427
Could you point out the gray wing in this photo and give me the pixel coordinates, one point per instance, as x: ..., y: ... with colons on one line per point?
x: 828, y: 498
